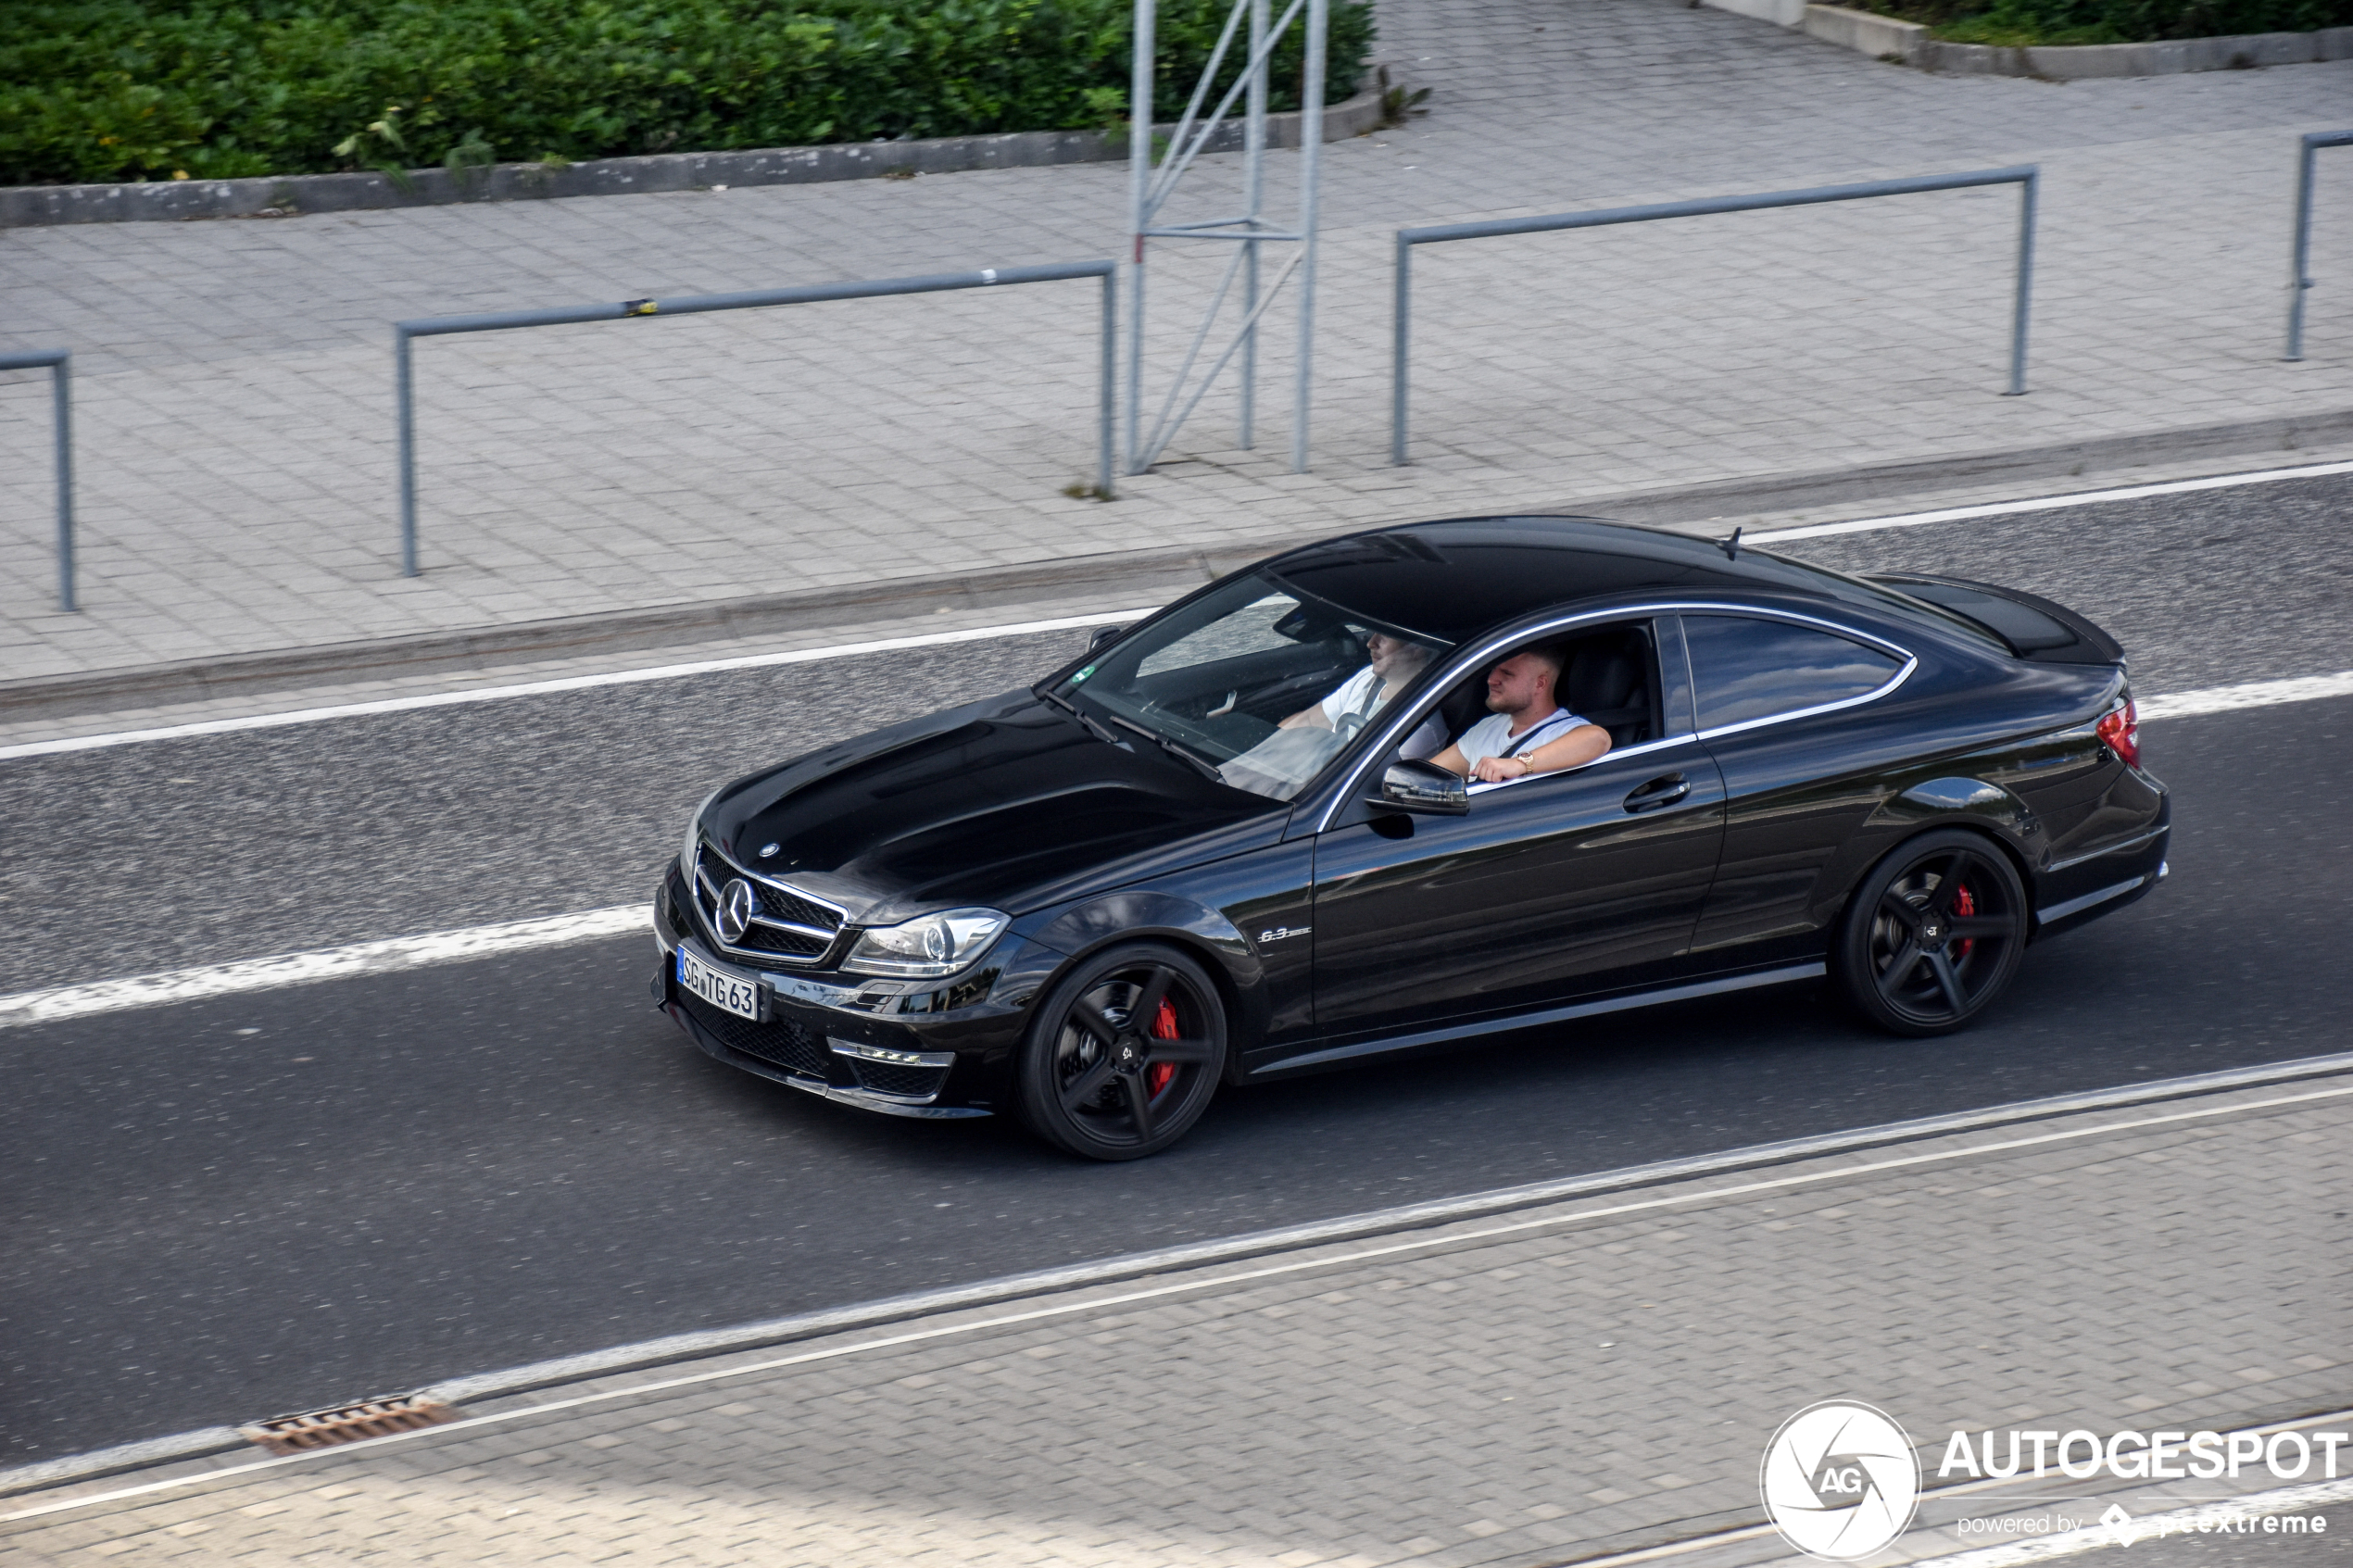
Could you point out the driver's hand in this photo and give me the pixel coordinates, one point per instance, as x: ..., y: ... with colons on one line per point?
x: 1500, y: 770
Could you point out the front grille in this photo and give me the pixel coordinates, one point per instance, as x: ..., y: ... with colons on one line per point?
x: 790, y: 944
x: 775, y: 902
x: 887, y: 1078
x: 784, y: 1042
x: 783, y: 903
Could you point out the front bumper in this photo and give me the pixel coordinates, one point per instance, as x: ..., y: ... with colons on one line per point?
x: 935, y: 1049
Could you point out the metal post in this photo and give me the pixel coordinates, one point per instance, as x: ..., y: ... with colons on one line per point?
x: 1107, y: 396
x: 748, y: 299
x: 1311, y: 147
x: 2027, y: 175
x: 403, y: 397
x: 1253, y: 205
x: 1399, y: 350
x: 2299, y: 281
x: 59, y: 362
x: 61, y: 399
x: 2027, y: 193
x: 1139, y: 172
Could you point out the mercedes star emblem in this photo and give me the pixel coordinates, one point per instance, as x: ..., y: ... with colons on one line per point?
x: 735, y: 906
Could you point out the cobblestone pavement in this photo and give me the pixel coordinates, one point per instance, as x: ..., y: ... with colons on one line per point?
x: 1525, y: 1389
x: 234, y: 422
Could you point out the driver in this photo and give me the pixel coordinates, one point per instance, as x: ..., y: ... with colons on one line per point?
x: 1394, y: 663
x: 1526, y: 729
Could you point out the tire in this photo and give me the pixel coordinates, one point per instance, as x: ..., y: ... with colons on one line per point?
x: 1933, y: 933
x: 1094, y: 1084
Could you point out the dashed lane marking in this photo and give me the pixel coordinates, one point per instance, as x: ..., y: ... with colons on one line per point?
x: 333, y: 963
x: 487, y: 941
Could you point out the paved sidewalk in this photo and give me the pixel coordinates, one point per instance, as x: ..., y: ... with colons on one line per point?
x: 1537, y: 1386
x: 235, y: 434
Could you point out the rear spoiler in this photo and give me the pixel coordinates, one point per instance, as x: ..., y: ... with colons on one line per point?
x: 2034, y: 628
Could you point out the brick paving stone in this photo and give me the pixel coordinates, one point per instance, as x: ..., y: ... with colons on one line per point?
x: 1560, y: 1383
x: 235, y: 430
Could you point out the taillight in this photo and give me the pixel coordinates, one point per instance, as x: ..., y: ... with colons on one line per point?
x: 2121, y: 731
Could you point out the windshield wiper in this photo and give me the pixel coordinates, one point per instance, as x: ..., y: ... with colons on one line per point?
x: 1093, y: 727
x: 1175, y: 748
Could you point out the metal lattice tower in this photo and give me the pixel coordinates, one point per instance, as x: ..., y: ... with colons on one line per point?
x: 1150, y: 185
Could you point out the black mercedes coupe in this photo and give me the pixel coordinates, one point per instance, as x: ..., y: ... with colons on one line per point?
x: 1249, y: 836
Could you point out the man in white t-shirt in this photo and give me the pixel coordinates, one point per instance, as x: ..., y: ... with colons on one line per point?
x: 1526, y: 731
x: 1395, y: 662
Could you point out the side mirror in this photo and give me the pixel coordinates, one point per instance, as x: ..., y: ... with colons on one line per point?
x: 1414, y: 785
x: 1102, y: 637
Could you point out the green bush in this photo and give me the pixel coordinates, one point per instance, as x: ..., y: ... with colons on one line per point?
x: 102, y: 89
x: 2111, y: 21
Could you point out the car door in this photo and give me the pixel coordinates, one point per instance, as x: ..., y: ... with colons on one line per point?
x: 1795, y: 712
x: 1550, y: 886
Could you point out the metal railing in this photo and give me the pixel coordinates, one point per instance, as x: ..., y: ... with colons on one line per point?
x: 2299, y: 281
x: 501, y: 320
x: 2027, y: 177
x: 59, y: 364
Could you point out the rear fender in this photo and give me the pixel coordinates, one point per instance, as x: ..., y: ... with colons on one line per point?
x: 1950, y: 800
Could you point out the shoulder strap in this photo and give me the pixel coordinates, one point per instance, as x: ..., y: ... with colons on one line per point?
x: 1530, y: 738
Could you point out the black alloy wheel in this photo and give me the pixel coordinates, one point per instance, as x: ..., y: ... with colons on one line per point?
x: 1124, y: 1053
x: 1933, y: 935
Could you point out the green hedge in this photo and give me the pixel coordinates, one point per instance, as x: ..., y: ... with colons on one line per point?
x: 102, y: 89
x: 2111, y: 21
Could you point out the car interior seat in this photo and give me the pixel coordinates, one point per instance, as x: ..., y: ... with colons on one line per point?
x: 1607, y: 683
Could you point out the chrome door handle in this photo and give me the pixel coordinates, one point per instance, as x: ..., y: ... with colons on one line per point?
x: 1659, y: 792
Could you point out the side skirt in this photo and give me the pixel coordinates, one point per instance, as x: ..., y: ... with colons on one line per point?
x: 1781, y: 976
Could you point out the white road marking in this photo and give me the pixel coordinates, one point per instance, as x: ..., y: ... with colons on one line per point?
x: 2253, y: 693
x: 2051, y: 503
x: 1064, y: 623
x: 332, y: 963
x: 487, y: 941
x: 564, y: 683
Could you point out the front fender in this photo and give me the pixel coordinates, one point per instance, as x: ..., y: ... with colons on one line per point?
x: 1147, y: 914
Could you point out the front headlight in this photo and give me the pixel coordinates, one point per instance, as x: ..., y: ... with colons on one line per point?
x: 926, y: 945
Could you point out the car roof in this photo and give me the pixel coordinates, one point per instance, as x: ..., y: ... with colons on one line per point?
x: 1454, y: 578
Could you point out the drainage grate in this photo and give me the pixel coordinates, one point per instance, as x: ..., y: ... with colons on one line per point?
x: 347, y: 1423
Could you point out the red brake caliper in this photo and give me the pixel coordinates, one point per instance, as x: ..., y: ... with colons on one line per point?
x: 1156, y: 1076
x: 1964, y: 906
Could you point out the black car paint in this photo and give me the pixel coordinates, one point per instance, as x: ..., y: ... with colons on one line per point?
x: 1017, y: 804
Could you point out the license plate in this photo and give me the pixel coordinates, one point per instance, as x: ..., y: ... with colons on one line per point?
x: 732, y: 993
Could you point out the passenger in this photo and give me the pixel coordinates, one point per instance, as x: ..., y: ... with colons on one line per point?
x: 1350, y: 706
x: 1526, y: 729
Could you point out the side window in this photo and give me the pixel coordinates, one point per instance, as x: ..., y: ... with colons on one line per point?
x: 1746, y: 669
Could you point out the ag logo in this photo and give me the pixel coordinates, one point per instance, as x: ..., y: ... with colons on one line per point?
x: 1840, y: 1480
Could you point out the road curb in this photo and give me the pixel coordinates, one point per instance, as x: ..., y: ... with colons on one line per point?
x: 1142, y: 573
x: 289, y: 196
x: 671, y: 1349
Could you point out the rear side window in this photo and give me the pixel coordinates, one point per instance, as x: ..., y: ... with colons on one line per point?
x: 1746, y: 670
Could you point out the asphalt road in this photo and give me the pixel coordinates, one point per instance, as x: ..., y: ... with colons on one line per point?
x: 221, y: 1210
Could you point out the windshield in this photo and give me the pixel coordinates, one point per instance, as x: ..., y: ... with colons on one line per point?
x: 1258, y: 679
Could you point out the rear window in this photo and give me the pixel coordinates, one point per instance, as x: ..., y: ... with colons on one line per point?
x: 1745, y: 670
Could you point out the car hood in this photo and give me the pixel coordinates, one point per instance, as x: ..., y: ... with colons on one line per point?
x: 1009, y: 803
